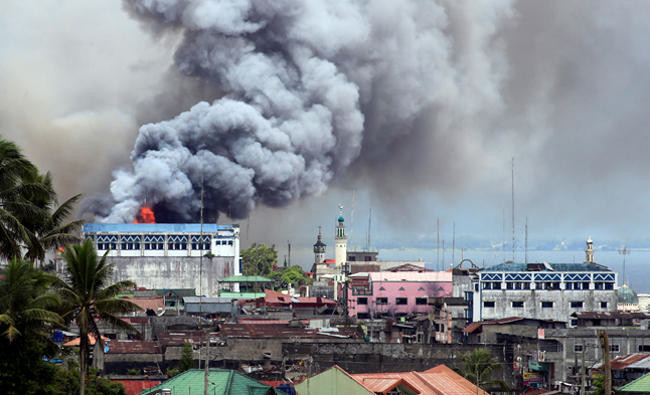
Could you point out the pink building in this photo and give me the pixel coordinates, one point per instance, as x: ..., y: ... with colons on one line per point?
x: 395, y: 293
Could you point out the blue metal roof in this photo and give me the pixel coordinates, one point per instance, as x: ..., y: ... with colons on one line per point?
x: 557, y: 267
x: 161, y: 228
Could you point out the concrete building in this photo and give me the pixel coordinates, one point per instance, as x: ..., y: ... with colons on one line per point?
x: 340, y: 243
x: 548, y: 291
x: 169, y: 255
x: 395, y: 293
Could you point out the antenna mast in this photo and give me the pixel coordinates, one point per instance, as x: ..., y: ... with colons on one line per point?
x: 624, y: 251
x: 368, y: 234
x: 526, y: 244
x: 438, y: 243
x: 513, y: 208
x: 453, y: 244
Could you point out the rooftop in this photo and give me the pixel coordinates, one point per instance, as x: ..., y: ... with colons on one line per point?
x: 132, y: 347
x: 640, y: 385
x: 437, y: 380
x: 220, y: 381
x: 246, y: 279
x: 544, y: 266
x: 410, y: 276
x: 154, y: 228
x: 275, y: 331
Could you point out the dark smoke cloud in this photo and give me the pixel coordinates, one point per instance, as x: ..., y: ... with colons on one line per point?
x: 311, y: 87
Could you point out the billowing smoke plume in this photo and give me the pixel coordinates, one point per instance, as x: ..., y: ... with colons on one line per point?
x: 308, y: 87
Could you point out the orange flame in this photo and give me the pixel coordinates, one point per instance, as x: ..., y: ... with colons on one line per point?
x: 145, y: 216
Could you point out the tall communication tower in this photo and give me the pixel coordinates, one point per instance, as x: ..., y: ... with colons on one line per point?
x: 624, y: 251
x: 526, y: 244
x: 513, y: 208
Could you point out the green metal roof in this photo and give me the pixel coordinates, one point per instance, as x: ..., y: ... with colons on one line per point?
x: 241, y: 295
x: 642, y: 384
x: 246, y: 279
x: 626, y: 294
x: 220, y: 381
x: 178, y: 291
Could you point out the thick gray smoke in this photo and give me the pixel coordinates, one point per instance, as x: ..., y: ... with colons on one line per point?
x: 308, y: 87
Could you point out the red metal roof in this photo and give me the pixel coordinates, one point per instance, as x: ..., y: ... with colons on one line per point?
x: 628, y: 361
x: 135, y: 387
x: 179, y: 338
x: 274, y: 331
x: 438, y: 380
x: 148, y: 303
x: 132, y: 347
x: 475, y: 325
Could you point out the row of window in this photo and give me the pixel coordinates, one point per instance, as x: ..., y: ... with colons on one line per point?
x: 160, y: 246
x: 612, y: 348
x: 398, y: 301
x: 518, y: 304
x: 548, y: 286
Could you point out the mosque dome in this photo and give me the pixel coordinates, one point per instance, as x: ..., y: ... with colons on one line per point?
x: 341, y: 219
x: 626, y: 295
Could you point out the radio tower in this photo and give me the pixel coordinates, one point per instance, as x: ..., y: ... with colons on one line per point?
x: 513, y: 208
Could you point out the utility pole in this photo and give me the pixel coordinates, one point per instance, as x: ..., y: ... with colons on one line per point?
x: 289, y: 248
x: 583, y: 373
x: 207, y: 339
x: 453, y: 245
x: 438, y: 243
x: 604, y: 343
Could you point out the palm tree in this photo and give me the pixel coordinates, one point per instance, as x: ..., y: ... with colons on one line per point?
x: 478, y: 366
x: 16, y: 182
x: 89, y: 295
x: 26, y: 320
x: 25, y: 305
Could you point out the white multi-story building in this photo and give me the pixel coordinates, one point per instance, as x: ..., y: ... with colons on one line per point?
x: 547, y: 291
x: 169, y: 255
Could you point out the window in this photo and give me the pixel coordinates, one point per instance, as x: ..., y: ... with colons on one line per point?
x: 576, y: 305
x: 487, y: 285
x: 401, y: 289
x: 519, y: 304
x: 421, y: 301
x: 362, y: 300
x: 603, y: 305
x: 547, y: 305
x: 577, y: 348
x: 609, y: 286
x: 614, y: 348
x: 599, y: 285
x: 382, y: 301
x: 401, y: 301
x: 574, y: 322
x: 644, y: 348
x: 496, y: 285
x: 469, y: 295
x: 488, y: 303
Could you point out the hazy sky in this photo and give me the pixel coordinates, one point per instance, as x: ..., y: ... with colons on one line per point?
x: 563, y: 87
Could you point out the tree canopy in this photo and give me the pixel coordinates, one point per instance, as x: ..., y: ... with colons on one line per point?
x: 259, y: 260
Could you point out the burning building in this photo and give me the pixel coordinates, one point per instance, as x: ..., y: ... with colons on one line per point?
x: 169, y: 255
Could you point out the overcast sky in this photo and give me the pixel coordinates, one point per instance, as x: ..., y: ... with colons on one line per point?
x: 569, y: 99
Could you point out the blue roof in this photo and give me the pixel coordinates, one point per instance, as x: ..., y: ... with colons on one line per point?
x: 557, y: 267
x: 162, y: 228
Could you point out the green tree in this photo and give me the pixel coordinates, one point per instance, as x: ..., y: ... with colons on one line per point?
x: 29, y: 217
x: 290, y: 276
x: 26, y: 317
x: 478, y: 367
x: 187, y: 358
x: 17, y: 186
x: 259, y: 260
x: 88, y: 294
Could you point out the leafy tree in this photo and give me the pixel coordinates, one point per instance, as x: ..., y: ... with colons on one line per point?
x: 29, y: 217
x: 26, y: 315
x: 258, y: 260
x: 88, y: 294
x: 187, y: 358
x: 17, y: 185
x: 290, y: 276
x: 478, y: 367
